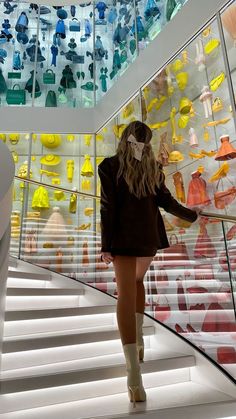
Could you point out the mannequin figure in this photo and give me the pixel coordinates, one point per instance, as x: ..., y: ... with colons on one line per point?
x: 206, y: 99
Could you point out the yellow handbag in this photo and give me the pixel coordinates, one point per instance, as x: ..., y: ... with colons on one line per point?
x: 87, y: 168
x: 211, y: 46
x: 217, y: 105
x: 217, y: 81
x: 59, y: 195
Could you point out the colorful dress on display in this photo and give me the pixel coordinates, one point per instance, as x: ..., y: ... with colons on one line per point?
x: 40, y: 198
x: 197, y: 193
x: 54, y: 52
x: 87, y: 168
x: 179, y: 187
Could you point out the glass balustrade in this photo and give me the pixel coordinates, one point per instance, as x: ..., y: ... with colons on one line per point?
x: 190, y: 107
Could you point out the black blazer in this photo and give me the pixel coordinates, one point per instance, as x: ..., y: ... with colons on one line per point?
x: 132, y: 226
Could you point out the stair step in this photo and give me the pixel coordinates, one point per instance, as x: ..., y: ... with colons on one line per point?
x: 64, y: 339
x: 57, y: 312
x: 13, y: 291
x: 165, y: 399
x: 28, y: 275
x: 88, y: 373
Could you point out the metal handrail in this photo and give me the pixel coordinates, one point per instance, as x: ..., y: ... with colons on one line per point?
x: 46, y: 185
x: 220, y: 217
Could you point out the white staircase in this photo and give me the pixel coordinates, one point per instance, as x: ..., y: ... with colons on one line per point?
x: 62, y: 358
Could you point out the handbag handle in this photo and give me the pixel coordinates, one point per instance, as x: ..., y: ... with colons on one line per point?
x: 49, y: 70
x: 16, y: 85
x: 173, y: 236
x: 75, y: 19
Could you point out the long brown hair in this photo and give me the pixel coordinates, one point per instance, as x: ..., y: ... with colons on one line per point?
x: 142, y: 177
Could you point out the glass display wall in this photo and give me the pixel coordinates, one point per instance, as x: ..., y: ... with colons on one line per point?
x: 190, y: 108
x: 70, y: 56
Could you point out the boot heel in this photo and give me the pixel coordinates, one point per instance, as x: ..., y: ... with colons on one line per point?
x: 132, y: 394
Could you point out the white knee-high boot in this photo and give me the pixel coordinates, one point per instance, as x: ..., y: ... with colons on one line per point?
x: 134, y: 378
x: 139, y: 336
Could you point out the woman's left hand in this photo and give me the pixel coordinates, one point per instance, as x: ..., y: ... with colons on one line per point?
x: 107, y: 257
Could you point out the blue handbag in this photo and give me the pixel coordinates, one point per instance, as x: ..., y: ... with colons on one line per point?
x: 74, y: 25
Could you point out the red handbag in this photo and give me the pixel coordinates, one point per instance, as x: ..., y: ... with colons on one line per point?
x: 226, y: 355
x: 204, y: 272
x: 232, y: 259
x: 161, y: 308
x: 159, y: 276
x: 174, y: 256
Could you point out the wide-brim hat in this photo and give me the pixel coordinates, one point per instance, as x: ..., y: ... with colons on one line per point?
x: 175, y: 156
x: 50, y: 160
x: 50, y: 140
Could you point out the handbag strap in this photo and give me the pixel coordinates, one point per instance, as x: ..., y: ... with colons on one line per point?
x: 49, y: 70
x: 16, y: 85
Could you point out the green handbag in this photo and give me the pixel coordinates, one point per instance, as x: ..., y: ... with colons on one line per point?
x: 16, y: 96
x: 49, y: 77
x: 51, y: 100
x: 13, y: 75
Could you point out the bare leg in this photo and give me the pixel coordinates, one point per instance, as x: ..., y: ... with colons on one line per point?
x: 125, y: 271
x: 142, y: 266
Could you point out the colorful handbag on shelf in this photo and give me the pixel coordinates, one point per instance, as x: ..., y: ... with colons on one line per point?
x: 16, y: 96
x: 49, y: 77
x: 174, y: 256
x: 74, y: 25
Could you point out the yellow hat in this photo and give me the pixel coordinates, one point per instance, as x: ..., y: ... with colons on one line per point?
x: 185, y: 106
x: 182, y: 80
x: 50, y: 140
x: 50, y: 160
x: 3, y: 137
x: 175, y: 156
x: 14, y: 138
